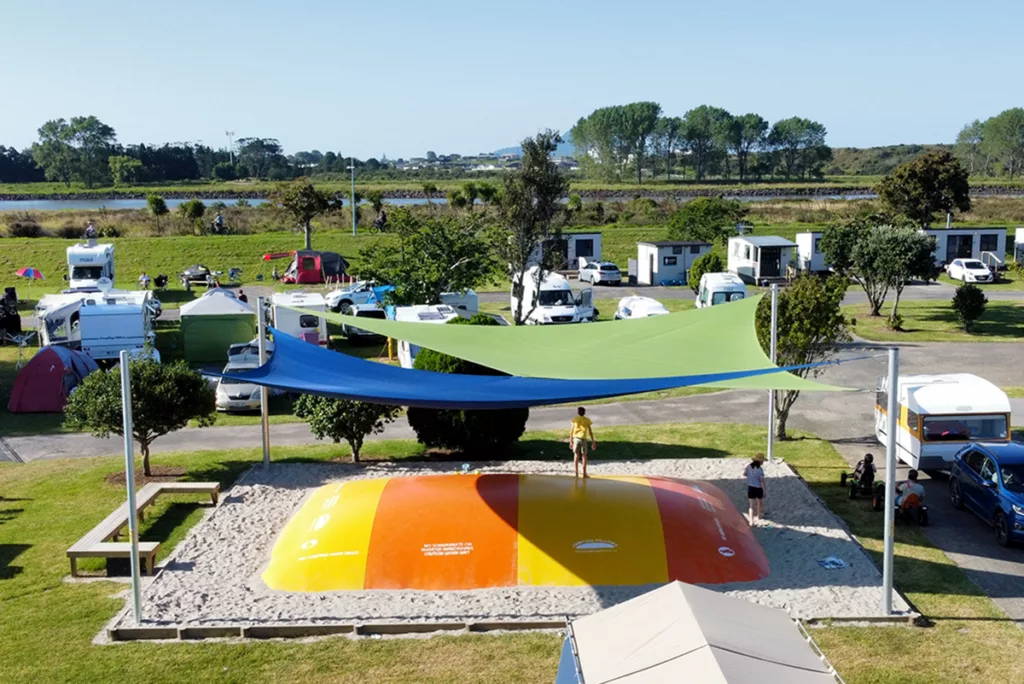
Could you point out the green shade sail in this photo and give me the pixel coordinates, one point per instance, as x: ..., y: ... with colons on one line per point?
x: 717, y: 339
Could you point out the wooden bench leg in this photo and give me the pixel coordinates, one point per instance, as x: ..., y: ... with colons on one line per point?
x: 74, y: 567
x: 213, y: 496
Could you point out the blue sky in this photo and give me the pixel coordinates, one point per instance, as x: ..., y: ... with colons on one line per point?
x: 399, y: 77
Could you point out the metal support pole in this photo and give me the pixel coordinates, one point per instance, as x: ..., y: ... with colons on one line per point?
x: 892, y: 407
x: 352, y: 197
x: 771, y: 393
x: 129, y: 479
x: 264, y: 392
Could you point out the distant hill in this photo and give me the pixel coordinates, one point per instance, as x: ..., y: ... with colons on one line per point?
x: 875, y: 161
x: 564, y: 149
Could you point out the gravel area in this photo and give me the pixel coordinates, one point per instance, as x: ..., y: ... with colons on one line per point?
x: 214, y: 579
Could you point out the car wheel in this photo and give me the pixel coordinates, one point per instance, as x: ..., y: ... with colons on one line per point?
x: 954, y: 495
x: 345, y: 307
x: 1002, y: 529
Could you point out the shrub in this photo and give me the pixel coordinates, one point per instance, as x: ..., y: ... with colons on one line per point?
x: 478, y: 435
x: 709, y: 263
x: 71, y: 232
x: 108, y: 232
x: 25, y: 229
x: 969, y: 304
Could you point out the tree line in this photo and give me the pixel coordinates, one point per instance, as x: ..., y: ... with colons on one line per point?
x: 634, y: 140
x: 994, y: 146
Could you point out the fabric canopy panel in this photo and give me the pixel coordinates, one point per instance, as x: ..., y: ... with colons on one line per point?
x: 309, y: 369
x: 712, y: 340
x: 682, y: 633
x: 460, y: 532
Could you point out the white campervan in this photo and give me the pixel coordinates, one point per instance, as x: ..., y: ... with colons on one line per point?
x: 310, y: 328
x: 720, y: 288
x: 938, y: 414
x: 90, y: 265
x: 101, y: 324
x: 553, y: 301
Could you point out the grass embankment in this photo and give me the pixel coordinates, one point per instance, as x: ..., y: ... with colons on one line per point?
x: 48, y: 505
x: 934, y: 321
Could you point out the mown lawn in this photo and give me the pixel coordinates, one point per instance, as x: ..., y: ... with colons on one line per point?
x: 934, y: 321
x: 1008, y: 283
x: 47, y: 624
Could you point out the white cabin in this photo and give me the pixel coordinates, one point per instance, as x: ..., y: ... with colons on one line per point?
x: 667, y: 263
x: 571, y: 247
x: 810, y: 258
x: 308, y: 327
x: 938, y: 414
x: 756, y: 258
x: 969, y: 243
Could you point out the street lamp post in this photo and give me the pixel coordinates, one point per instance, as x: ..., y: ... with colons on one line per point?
x: 352, y: 197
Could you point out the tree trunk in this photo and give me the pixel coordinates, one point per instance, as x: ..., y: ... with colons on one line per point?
x: 144, y: 446
x: 895, y: 309
x: 308, y: 229
x: 784, y: 401
x: 357, y: 446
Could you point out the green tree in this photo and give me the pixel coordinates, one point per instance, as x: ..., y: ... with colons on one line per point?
x: 709, y: 263
x: 457, y: 199
x: 968, y: 148
x: 811, y: 327
x: 257, y: 155
x: 480, y: 434
x: 705, y: 130
x: 800, y: 146
x: 304, y: 203
x: 157, y: 207
x: 1003, y: 139
x: 969, y: 304
x: 934, y: 182
x: 376, y: 200
x: 54, y: 153
x: 93, y: 140
x: 746, y: 134
x: 639, y: 120
x: 341, y: 419
x: 599, y: 148
x: 489, y: 194
x: 529, y: 204
x: 192, y: 211
x: 165, y: 397
x: 707, y: 219
x: 471, y: 192
x: 665, y: 141
x: 123, y: 169
x: 425, y: 255
x: 908, y: 255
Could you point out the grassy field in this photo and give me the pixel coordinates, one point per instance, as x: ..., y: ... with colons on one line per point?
x: 47, y: 505
x: 1014, y: 392
x: 934, y: 321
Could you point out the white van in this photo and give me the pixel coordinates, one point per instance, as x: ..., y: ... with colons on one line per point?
x: 720, y: 288
x: 941, y: 413
x: 90, y: 265
x: 553, y: 301
x: 307, y: 327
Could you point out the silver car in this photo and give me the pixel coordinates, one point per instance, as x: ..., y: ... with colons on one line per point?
x: 601, y: 272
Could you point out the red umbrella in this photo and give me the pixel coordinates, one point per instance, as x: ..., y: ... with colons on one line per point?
x: 31, y: 274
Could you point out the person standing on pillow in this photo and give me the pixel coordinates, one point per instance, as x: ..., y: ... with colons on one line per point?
x: 580, y: 429
x: 754, y: 476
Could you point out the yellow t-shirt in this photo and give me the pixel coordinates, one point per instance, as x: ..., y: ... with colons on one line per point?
x: 580, y: 425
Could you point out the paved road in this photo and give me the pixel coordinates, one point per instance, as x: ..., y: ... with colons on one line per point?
x: 845, y: 418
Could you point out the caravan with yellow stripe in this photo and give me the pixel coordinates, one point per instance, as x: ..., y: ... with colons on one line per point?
x: 941, y: 413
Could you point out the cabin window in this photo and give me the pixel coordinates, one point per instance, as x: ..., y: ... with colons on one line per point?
x: 746, y: 252
x: 677, y: 249
x: 694, y: 249
x: 584, y: 248
x: 956, y: 428
x: 989, y: 242
x: 307, y: 321
x: 669, y: 261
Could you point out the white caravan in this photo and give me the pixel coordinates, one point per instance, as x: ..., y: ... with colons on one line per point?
x: 720, y: 288
x: 90, y: 266
x: 553, y: 301
x: 100, y: 324
x: 939, y: 414
x: 310, y: 328
x: 639, y: 307
x: 428, y: 313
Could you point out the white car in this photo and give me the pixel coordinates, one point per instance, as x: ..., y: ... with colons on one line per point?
x: 969, y: 271
x: 363, y: 311
x: 639, y: 307
x: 598, y: 272
x: 248, y: 352
x: 358, y: 293
x: 235, y: 395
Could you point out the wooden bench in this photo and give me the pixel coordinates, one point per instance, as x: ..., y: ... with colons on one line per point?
x: 101, y: 541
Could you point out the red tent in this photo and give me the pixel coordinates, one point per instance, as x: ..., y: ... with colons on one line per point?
x: 45, y: 382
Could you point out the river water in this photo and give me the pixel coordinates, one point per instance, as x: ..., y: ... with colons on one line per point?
x: 116, y: 204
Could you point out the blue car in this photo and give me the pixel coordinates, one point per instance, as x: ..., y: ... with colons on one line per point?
x: 988, y: 479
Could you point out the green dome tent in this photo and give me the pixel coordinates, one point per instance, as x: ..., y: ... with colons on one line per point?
x: 212, y: 323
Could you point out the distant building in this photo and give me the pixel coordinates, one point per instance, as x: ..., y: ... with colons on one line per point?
x: 759, y: 258
x: 668, y: 262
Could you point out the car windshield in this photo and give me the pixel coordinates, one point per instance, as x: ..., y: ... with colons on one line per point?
x: 609, y: 267
x: 555, y: 298
x: 723, y: 297
x: 973, y: 263
x: 1013, y: 476
x: 960, y: 428
x: 232, y: 381
x: 86, y: 272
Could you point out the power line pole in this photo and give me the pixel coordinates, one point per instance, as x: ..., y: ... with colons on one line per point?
x: 231, y: 144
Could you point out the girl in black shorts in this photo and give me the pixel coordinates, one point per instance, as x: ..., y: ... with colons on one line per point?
x: 755, y: 486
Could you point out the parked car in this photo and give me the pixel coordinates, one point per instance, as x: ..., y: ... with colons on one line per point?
x: 248, y: 352
x: 236, y: 395
x: 598, y: 272
x: 639, y: 307
x: 988, y: 479
x: 359, y: 292
x: 363, y: 311
x: 969, y: 271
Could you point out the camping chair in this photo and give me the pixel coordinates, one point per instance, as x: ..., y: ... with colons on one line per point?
x: 311, y: 336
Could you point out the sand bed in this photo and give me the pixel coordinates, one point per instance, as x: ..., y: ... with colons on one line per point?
x: 214, y: 579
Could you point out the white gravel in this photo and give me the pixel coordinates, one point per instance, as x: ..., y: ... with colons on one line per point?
x: 214, y: 575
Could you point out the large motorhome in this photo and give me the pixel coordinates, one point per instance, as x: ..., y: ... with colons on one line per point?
x: 90, y: 266
x: 101, y: 324
x: 553, y: 301
x: 308, y: 327
x: 938, y: 414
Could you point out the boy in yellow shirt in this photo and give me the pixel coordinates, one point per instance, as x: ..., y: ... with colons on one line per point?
x: 579, y: 431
